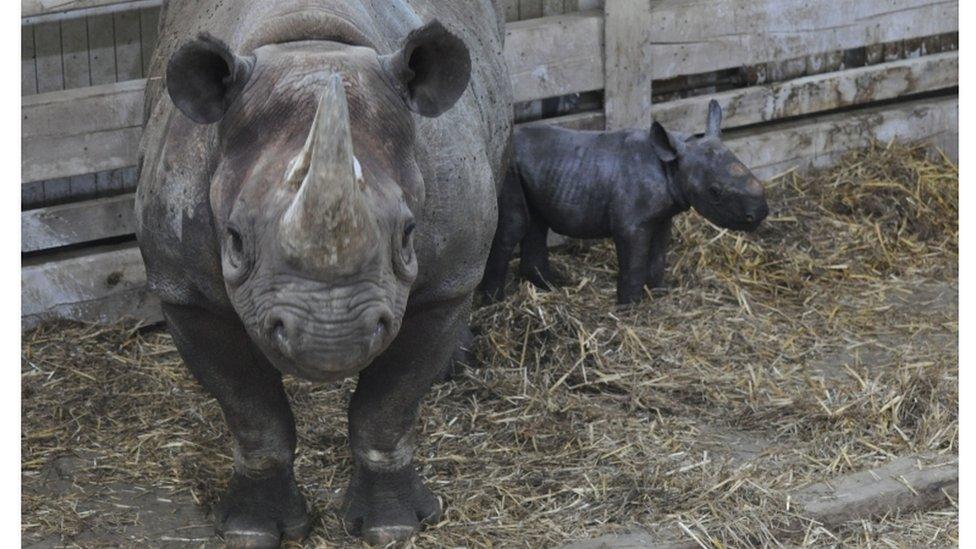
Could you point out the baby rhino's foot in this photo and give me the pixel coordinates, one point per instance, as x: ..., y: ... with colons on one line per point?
x: 260, y: 511
x: 544, y: 279
x: 384, y: 507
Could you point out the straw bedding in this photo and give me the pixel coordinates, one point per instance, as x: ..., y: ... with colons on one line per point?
x: 823, y: 343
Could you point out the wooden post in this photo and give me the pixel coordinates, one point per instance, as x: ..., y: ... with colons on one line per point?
x: 627, y: 63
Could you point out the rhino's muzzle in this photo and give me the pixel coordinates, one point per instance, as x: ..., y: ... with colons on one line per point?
x: 344, y: 351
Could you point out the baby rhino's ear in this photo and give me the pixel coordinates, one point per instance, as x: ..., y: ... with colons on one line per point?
x: 667, y: 145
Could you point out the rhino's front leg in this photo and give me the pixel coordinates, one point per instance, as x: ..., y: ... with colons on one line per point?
x: 262, y: 503
x: 660, y: 235
x: 386, y: 500
x: 633, y: 258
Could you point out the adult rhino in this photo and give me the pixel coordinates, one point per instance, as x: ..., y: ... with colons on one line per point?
x: 317, y: 198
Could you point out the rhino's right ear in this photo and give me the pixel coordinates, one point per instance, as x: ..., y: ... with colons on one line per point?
x: 204, y: 77
x: 667, y: 146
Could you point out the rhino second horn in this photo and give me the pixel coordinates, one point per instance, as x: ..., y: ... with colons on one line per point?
x: 328, y: 209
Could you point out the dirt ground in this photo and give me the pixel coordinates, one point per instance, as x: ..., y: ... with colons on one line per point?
x: 822, y: 344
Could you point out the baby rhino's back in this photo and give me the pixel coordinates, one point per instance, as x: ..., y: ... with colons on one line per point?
x: 567, y: 177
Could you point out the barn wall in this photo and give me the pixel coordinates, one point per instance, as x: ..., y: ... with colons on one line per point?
x: 795, y: 95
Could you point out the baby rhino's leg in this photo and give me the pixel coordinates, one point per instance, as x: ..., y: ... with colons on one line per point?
x: 534, y: 263
x: 633, y: 257
x: 660, y: 234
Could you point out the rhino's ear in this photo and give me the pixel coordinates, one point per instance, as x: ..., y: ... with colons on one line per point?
x: 667, y: 145
x: 431, y: 70
x: 204, y: 77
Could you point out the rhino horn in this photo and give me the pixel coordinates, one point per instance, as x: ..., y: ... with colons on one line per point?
x: 329, y: 209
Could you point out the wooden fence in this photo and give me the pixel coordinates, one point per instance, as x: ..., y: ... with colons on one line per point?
x: 80, y: 260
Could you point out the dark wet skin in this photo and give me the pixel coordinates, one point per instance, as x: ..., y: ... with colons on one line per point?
x: 625, y: 185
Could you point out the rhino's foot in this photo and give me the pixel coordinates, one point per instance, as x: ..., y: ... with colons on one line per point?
x: 385, y: 507
x: 260, y: 511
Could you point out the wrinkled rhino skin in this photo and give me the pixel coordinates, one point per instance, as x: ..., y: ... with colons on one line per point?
x: 317, y: 196
x: 625, y: 185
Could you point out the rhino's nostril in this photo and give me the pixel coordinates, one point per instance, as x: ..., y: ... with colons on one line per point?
x: 750, y: 218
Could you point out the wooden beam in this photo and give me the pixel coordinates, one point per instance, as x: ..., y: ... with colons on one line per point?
x: 553, y: 56
x: 104, y: 285
x: 627, y: 64
x: 33, y: 12
x: 696, y: 36
x: 803, y: 96
x: 81, y: 131
x: 817, y: 93
x: 902, y: 486
x: 77, y: 222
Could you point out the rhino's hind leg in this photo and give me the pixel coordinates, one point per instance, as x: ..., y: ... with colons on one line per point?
x: 262, y: 503
x: 386, y: 500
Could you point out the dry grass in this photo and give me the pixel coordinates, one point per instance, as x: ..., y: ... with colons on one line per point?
x: 821, y: 344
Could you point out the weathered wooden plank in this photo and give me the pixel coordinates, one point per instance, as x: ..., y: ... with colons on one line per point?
x: 48, y: 157
x: 77, y: 222
x: 149, y: 23
x: 695, y: 36
x: 511, y: 8
x: 555, y: 56
x: 84, y: 110
x: 101, y: 53
x: 28, y: 67
x: 74, y: 58
x: 128, y: 46
x: 627, y: 64
x: 47, y: 49
x: 902, y: 486
x: 530, y: 9
x: 553, y: 7
x: 820, y: 141
x: 804, y: 96
x: 36, y: 8
x: 80, y: 131
x: 105, y: 285
x: 817, y: 93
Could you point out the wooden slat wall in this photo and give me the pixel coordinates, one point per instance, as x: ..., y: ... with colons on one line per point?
x: 78, y: 53
x: 91, y: 121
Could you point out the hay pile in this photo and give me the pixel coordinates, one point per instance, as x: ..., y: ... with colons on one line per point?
x: 822, y: 344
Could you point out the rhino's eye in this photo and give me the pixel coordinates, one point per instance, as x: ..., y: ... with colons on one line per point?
x: 235, y: 255
x: 408, y: 232
x: 235, y: 247
x: 715, y: 191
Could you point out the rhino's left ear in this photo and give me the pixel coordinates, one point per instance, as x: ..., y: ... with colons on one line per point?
x: 431, y: 69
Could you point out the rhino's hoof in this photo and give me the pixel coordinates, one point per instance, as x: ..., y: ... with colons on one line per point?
x: 388, y: 507
x: 261, y: 512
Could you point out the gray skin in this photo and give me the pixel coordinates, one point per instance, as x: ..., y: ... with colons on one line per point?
x: 317, y: 197
x: 624, y: 185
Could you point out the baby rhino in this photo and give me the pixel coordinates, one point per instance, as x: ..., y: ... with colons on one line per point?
x: 626, y: 185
